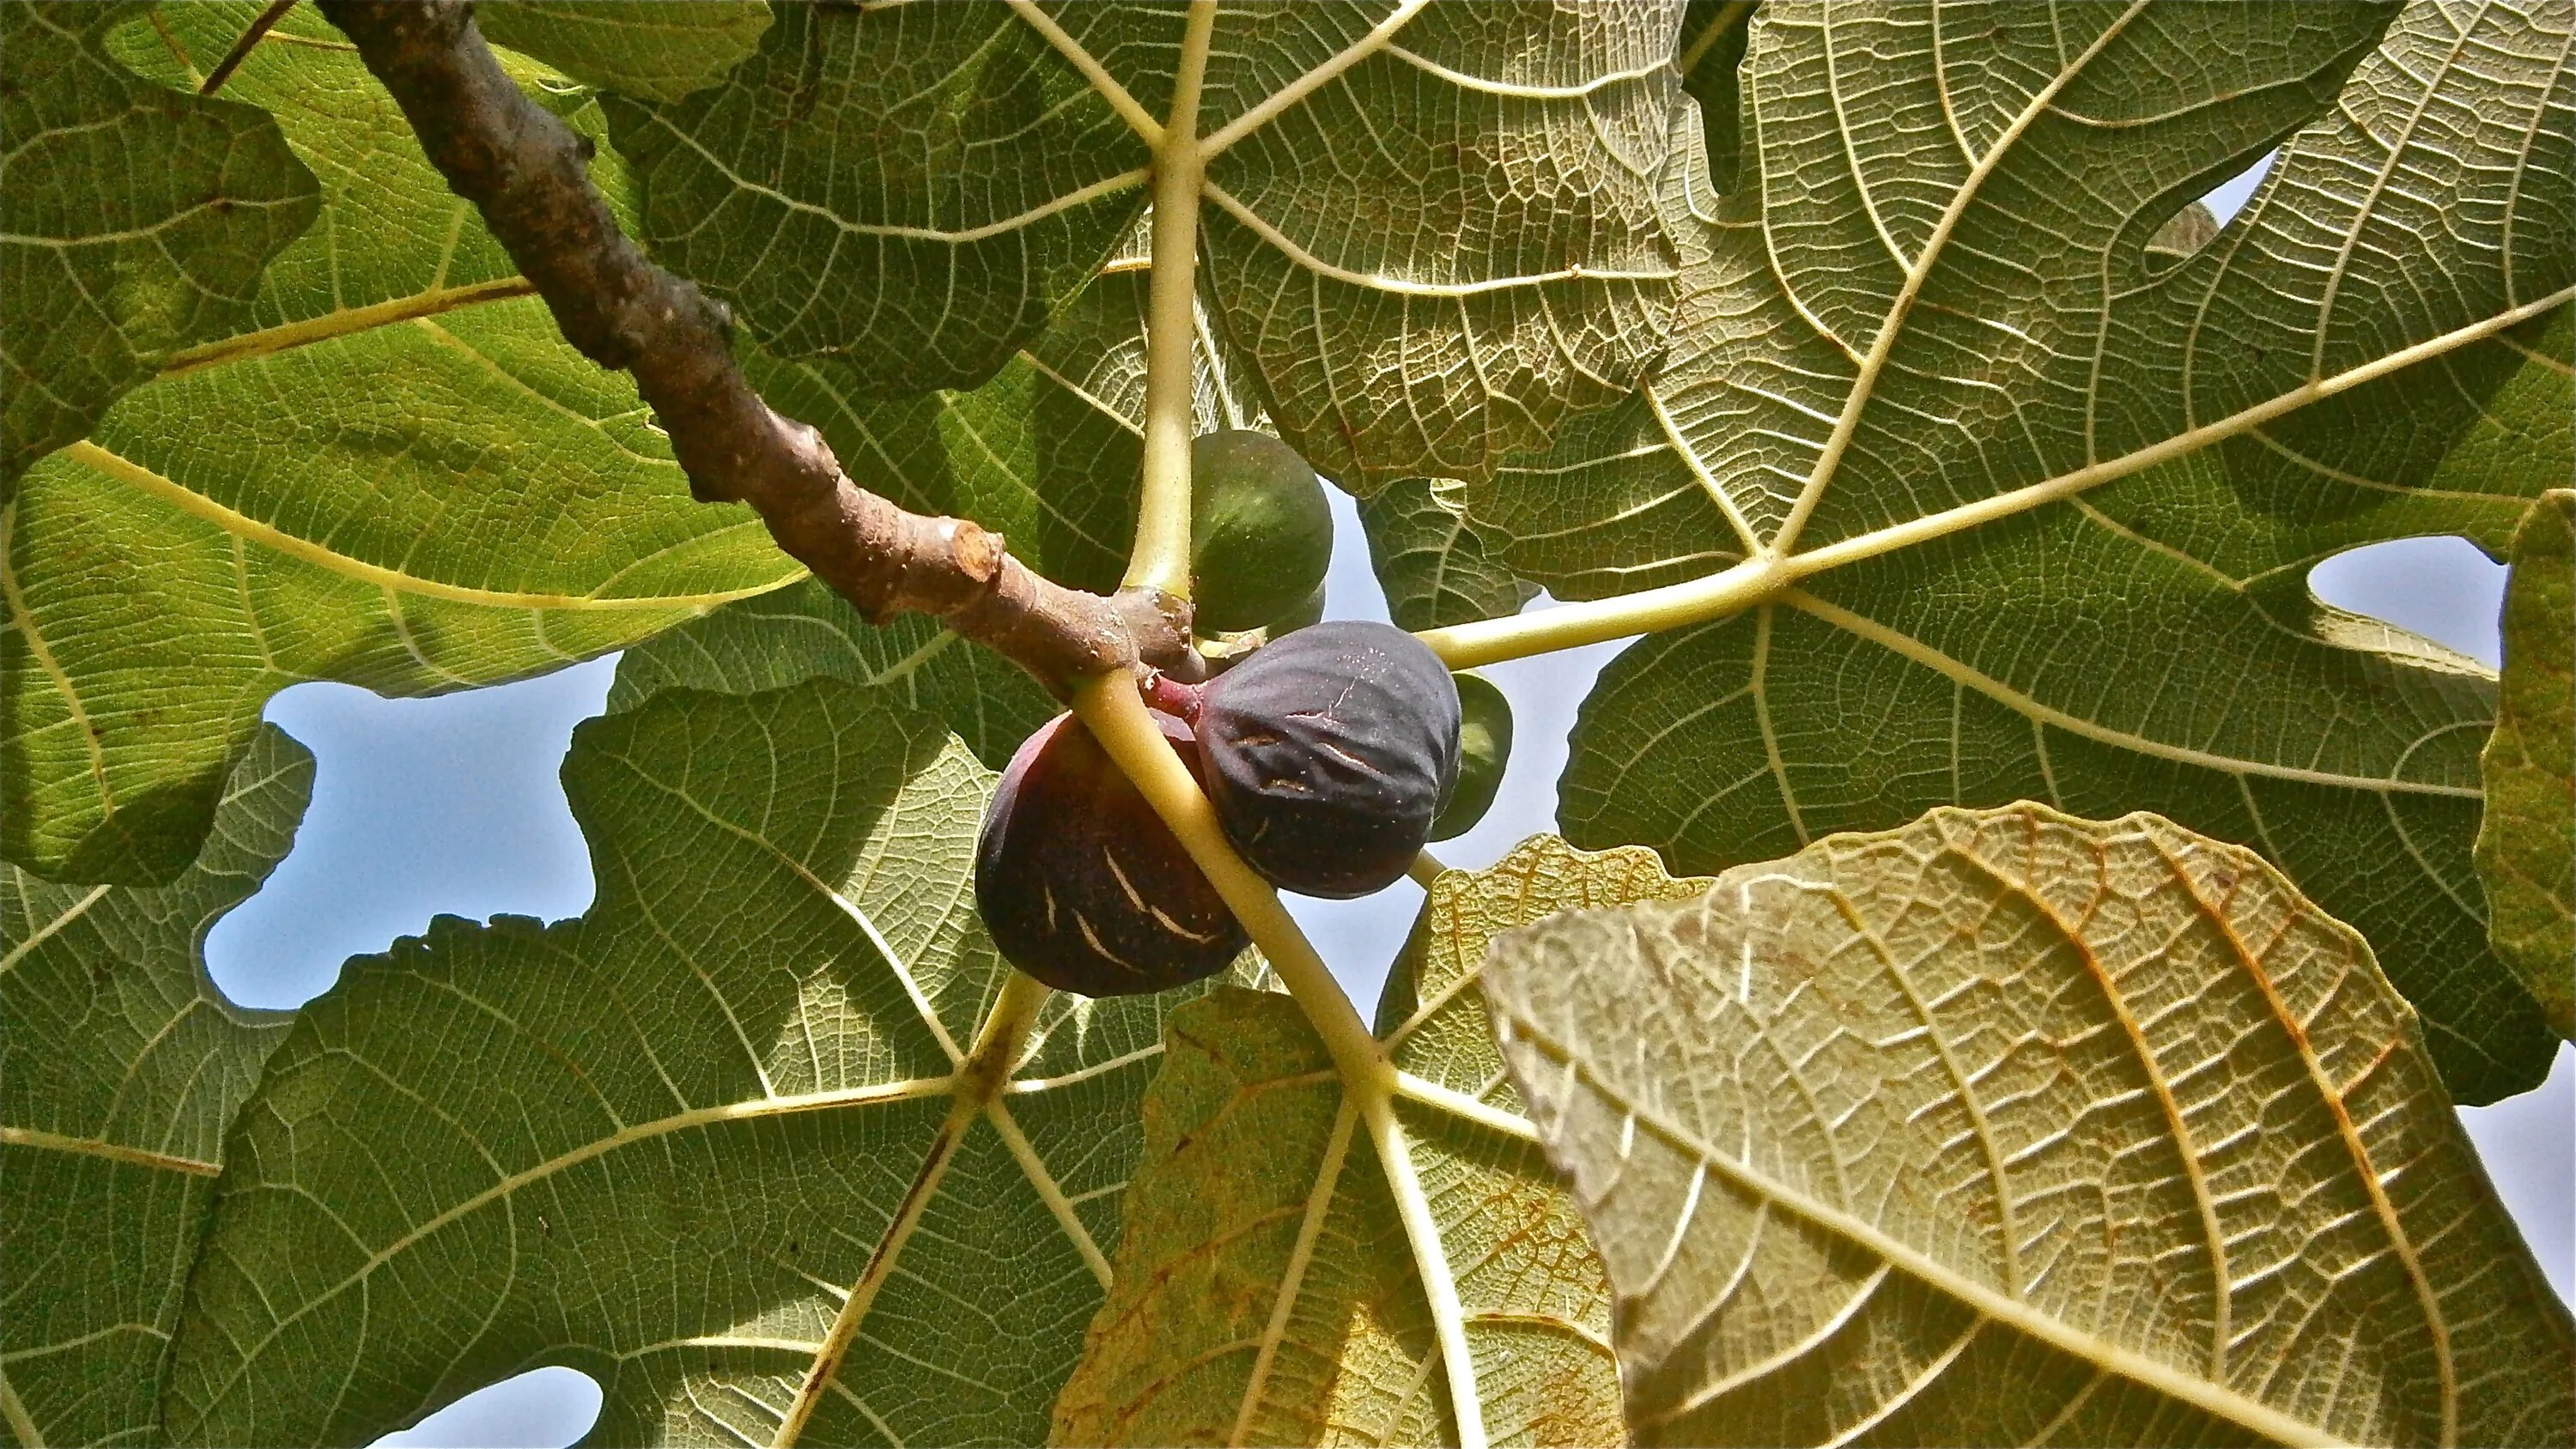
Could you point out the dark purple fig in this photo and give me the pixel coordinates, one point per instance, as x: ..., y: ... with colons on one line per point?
x: 1328, y: 753
x: 1083, y: 886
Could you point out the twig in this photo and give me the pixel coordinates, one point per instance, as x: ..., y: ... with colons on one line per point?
x: 526, y: 172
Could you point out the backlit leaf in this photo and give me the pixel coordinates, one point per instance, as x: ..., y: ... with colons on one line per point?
x: 1431, y: 231
x: 1434, y: 566
x: 2010, y: 1127
x: 2527, y: 843
x: 1268, y: 1288
x: 121, y: 1068
x: 2075, y: 489
x: 393, y: 472
x: 657, y: 52
x: 111, y: 266
x: 690, y: 1120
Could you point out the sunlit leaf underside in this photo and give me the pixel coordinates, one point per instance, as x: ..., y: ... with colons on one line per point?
x: 2015, y: 1128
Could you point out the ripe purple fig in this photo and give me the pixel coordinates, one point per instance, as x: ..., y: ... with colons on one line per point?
x: 1083, y: 886
x: 1328, y: 753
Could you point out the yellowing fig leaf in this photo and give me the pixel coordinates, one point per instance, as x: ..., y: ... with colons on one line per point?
x: 2527, y: 842
x: 1270, y: 1273
x: 121, y: 1069
x: 2010, y: 1127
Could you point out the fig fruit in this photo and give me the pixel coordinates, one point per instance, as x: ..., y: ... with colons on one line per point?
x: 1261, y: 532
x: 1484, y: 748
x: 1083, y: 886
x: 1309, y: 612
x: 1328, y: 754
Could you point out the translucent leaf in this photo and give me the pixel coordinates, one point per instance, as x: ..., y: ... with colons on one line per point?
x: 696, y: 1119
x: 2066, y: 495
x: 1268, y: 1287
x: 2526, y: 849
x: 1454, y: 245
x: 121, y: 1068
x: 394, y: 473
x: 657, y: 52
x: 2010, y: 1127
x: 1433, y: 232
x: 911, y: 190
x: 806, y: 631
x: 1435, y: 568
x: 109, y: 267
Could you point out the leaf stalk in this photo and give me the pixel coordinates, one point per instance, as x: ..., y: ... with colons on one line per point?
x: 1115, y: 713
x: 1160, y: 560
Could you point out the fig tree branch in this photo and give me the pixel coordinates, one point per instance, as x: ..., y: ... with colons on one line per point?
x: 527, y: 173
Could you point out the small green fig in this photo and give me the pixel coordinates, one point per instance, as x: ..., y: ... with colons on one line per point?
x: 1484, y: 748
x: 1309, y: 612
x: 1083, y: 886
x: 1261, y: 531
x: 1328, y: 754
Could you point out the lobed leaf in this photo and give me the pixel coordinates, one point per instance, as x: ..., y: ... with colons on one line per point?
x: 2526, y: 851
x: 109, y: 267
x: 2009, y: 1127
x: 2080, y: 486
x: 1453, y: 244
x: 1266, y: 1292
x: 696, y: 1117
x: 911, y: 191
x: 393, y: 473
x: 121, y: 1070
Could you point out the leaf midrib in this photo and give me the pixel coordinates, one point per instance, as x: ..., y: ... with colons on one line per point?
x: 269, y: 536
x: 2148, y: 1373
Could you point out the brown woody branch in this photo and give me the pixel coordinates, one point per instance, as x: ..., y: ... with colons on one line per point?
x: 527, y: 173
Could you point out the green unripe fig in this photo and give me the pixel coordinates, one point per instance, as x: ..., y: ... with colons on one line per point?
x: 1309, y: 612
x: 1484, y: 748
x: 1261, y: 532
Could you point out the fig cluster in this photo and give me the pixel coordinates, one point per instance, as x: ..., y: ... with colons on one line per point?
x: 1331, y: 752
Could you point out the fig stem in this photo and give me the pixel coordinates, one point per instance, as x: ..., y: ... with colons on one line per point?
x: 1161, y: 556
x: 1112, y: 709
x: 1425, y: 869
x: 1171, y: 696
